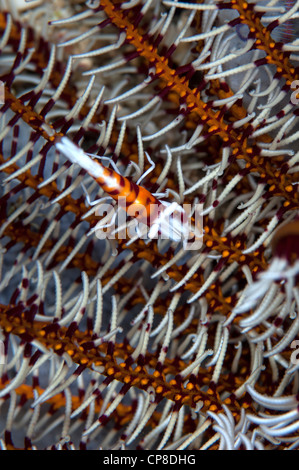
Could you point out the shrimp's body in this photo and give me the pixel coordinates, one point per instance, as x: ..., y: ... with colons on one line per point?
x: 118, y: 186
x: 151, y: 211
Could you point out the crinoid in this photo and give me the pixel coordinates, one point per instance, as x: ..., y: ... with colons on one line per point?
x: 114, y: 342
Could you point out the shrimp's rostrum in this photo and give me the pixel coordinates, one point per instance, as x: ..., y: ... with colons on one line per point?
x: 154, y: 213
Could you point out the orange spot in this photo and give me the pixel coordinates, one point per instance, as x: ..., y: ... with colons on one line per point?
x: 213, y: 408
x: 84, y: 360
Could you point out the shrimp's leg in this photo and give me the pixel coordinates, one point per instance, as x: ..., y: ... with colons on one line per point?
x: 96, y: 201
x: 151, y: 168
x: 115, y: 168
